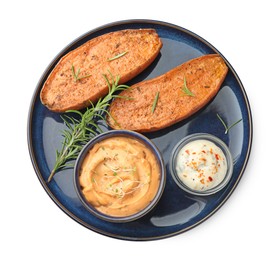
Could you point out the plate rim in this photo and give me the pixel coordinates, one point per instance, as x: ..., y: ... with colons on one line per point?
x: 38, y: 89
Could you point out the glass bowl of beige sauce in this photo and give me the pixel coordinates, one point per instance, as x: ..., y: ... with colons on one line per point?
x: 201, y: 164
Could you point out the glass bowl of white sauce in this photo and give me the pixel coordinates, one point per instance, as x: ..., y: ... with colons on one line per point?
x: 201, y: 164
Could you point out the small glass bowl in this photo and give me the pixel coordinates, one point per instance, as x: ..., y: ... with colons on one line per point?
x: 120, y: 133
x: 219, y: 143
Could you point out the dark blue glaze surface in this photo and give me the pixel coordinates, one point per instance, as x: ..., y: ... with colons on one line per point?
x: 177, y: 211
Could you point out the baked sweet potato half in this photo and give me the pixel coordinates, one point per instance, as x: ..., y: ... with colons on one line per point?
x: 78, y: 78
x: 160, y: 102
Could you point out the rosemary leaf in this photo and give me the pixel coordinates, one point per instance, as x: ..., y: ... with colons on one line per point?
x: 80, y: 130
x: 234, y: 124
x: 76, y: 74
x: 186, y: 90
x: 155, y: 102
x: 227, y: 128
x: 118, y: 56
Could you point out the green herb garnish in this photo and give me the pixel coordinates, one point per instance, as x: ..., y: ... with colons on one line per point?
x: 186, y: 90
x: 155, y: 102
x: 76, y: 74
x: 227, y: 128
x: 118, y: 56
x: 80, y: 131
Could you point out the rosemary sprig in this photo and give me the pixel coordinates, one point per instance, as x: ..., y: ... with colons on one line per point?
x: 76, y: 74
x: 80, y: 131
x: 118, y: 56
x: 186, y: 90
x: 155, y: 102
x: 227, y: 128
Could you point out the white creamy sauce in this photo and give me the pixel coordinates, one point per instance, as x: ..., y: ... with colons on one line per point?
x: 201, y: 165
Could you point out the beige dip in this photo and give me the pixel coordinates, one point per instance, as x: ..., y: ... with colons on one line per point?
x: 119, y: 176
x: 201, y: 165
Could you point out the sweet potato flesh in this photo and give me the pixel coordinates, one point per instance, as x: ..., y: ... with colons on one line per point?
x: 181, y: 92
x: 78, y: 76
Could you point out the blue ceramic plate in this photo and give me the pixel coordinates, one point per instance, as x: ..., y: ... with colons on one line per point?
x: 177, y: 211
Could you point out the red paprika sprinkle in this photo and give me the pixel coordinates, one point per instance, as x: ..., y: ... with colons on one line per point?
x: 217, y: 156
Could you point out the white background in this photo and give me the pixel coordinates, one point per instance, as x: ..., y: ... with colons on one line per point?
x: 33, y: 32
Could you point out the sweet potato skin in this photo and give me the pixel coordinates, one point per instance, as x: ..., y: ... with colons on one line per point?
x: 204, y: 76
x: 62, y: 92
